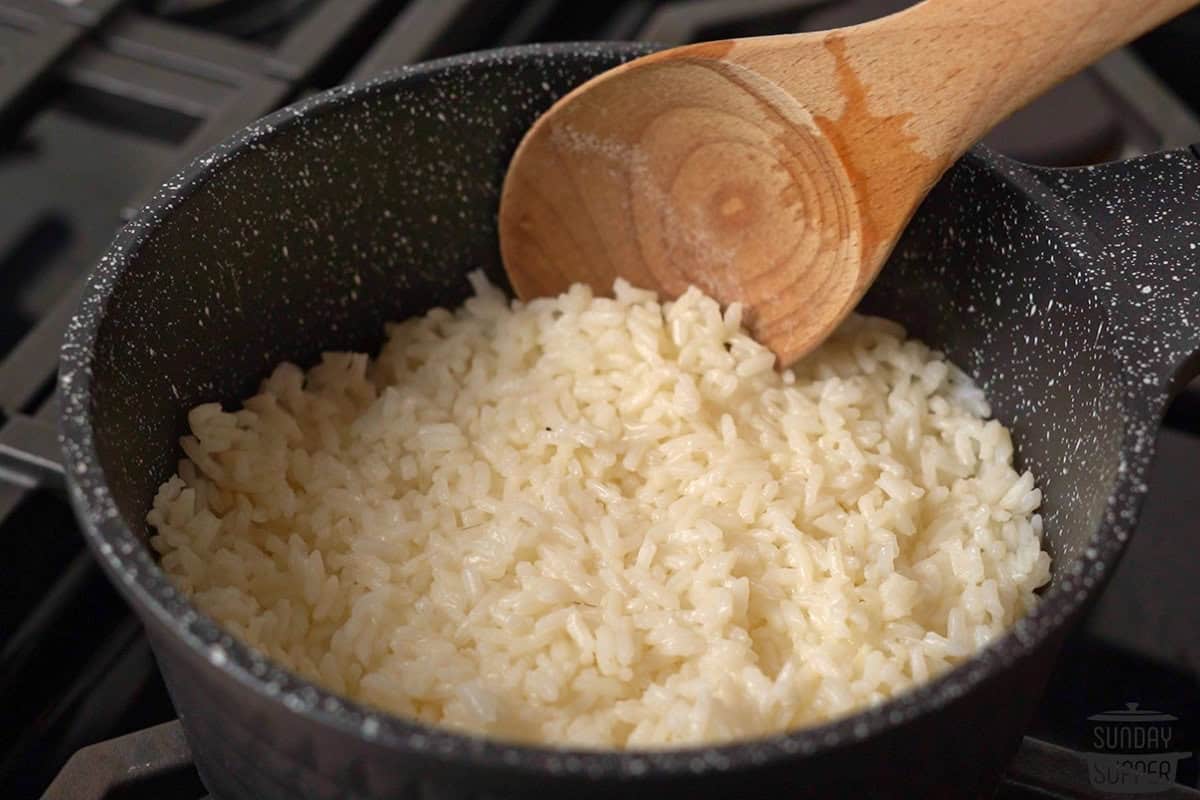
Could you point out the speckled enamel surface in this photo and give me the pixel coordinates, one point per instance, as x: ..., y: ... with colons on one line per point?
x: 1072, y: 296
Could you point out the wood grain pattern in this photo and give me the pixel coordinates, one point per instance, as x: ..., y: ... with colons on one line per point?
x: 779, y: 171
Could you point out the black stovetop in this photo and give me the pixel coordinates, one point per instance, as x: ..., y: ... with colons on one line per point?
x: 101, y: 100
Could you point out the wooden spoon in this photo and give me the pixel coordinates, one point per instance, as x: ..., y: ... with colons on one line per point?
x: 779, y: 171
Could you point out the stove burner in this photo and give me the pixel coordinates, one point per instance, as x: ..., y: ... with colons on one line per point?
x: 245, y: 19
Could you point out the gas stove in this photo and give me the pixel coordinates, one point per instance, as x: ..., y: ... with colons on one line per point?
x: 101, y: 100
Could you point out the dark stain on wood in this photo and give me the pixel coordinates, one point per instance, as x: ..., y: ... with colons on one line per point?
x: 871, y: 169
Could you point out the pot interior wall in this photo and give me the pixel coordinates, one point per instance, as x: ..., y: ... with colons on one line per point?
x: 374, y: 209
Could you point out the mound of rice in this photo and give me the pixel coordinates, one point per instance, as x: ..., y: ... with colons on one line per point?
x: 608, y: 522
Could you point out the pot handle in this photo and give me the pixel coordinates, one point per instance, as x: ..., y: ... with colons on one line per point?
x: 1142, y: 216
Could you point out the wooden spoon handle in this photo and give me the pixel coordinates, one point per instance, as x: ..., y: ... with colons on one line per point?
x: 900, y: 98
x: 974, y: 62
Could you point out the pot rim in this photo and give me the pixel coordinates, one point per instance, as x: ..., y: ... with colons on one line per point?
x: 132, y: 568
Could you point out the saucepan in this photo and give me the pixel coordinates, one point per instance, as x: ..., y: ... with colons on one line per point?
x: 1072, y: 296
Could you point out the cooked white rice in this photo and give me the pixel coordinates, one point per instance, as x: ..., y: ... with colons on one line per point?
x: 608, y: 522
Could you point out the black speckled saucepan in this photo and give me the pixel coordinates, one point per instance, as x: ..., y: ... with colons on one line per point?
x: 1072, y: 296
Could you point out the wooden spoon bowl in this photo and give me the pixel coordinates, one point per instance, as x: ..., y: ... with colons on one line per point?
x: 780, y: 171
